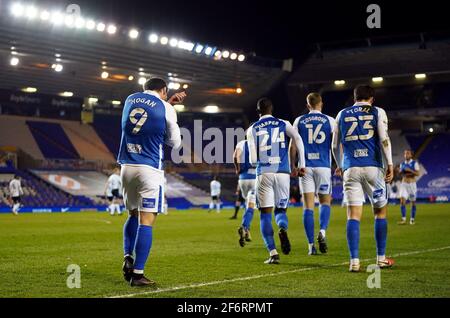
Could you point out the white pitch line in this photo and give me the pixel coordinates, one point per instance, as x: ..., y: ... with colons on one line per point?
x: 239, y: 279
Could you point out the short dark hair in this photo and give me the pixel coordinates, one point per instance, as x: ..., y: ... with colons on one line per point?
x: 264, y: 106
x: 155, y: 84
x: 363, y: 92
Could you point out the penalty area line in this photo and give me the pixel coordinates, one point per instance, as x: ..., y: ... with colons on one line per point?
x: 240, y: 279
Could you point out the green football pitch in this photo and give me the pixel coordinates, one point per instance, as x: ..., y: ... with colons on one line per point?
x: 196, y: 254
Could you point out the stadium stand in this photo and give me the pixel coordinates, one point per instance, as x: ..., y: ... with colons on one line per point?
x: 39, y: 194
x: 52, y: 140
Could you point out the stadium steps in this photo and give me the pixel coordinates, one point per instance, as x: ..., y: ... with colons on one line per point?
x: 52, y: 140
x: 15, y: 132
x: 87, y: 143
x: 423, y: 146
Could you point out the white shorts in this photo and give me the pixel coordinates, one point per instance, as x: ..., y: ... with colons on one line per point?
x: 272, y: 190
x: 246, y: 186
x: 317, y: 180
x: 408, y: 191
x: 143, y: 188
x: 361, y: 181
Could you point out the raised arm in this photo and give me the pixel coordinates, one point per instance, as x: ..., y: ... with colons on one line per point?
x: 173, y: 134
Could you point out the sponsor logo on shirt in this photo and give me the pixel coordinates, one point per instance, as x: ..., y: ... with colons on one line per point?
x: 314, y: 156
x: 361, y: 153
x: 134, y: 148
x: 274, y: 160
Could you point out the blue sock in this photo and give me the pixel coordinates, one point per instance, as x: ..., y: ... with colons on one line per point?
x: 129, y: 234
x: 267, y: 230
x: 308, y: 223
x: 324, y: 216
x: 381, y: 235
x: 281, y: 218
x: 413, y: 212
x: 143, y: 246
x: 403, y: 210
x: 247, y: 218
x: 353, y: 238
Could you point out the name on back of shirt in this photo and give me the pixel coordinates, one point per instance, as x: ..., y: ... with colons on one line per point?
x: 142, y: 100
x: 313, y: 118
x: 267, y: 123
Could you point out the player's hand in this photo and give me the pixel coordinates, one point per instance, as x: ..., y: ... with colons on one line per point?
x: 389, y: 174
x: 301, y: 172
x: 338, y: 172
x: 294, y: 172
x: 177, y: 98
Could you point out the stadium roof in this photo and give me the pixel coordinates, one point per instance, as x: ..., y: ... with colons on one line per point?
x: 360, y: 64
x: 41, y: 46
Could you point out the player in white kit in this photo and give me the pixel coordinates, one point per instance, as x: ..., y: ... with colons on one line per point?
x: 247, y: 184
x: 15, y: 192
x: 112, y: 190
x: 366, y: 167
x: 409, y: 170
x: 316, y: 130
x: 215, y: 188
x: 268, y: 141
x: 148, y: 122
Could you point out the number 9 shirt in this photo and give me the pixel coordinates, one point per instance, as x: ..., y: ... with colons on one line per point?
x: 148, y: 123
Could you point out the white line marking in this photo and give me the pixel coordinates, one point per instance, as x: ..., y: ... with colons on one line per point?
x: 239, y: 279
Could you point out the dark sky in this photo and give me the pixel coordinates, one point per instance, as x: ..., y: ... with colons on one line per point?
x: 277, y: 29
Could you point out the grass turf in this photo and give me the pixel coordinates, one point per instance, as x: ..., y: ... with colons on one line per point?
x: 194, y: 247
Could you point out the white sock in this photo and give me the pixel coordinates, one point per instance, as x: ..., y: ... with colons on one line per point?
x: 323, y: 232
x: 118, y: 209
x: 111, y: 209
x: 310, y: 246
x: 218, y: 207
x: 137, y: 271
x: 273, y: 252
x: 211, y: 205
x: 381, y: 258
x: 354, y: 261
x: 16, y: 207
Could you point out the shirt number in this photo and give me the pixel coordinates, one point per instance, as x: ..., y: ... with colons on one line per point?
x: 366, y: 125
x: 315, y: 135
x: 277, y: 137
x: 138, y: 123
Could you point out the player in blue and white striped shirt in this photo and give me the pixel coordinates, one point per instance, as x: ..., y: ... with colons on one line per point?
x: 247, y: 184
x: 409, y: 170
x: 366, y: 166
x: 316, y: 129
x: 268, y: 141
x: 148, y: 122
